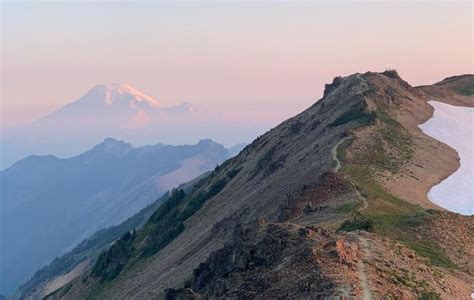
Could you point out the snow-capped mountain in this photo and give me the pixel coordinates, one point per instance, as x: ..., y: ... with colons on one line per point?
x: 116, y: 96
x: 119, y: 101
x: 118, y: 110
x: 124, y: 112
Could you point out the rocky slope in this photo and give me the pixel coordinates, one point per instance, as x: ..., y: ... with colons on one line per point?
x: 330, y: 203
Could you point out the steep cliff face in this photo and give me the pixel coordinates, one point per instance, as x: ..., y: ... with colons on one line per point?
x: 331, y: 202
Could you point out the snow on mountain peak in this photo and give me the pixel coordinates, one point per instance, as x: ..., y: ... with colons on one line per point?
x: 121, y: 92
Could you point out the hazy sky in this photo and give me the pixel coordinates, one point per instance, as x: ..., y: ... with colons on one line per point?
x: 211, y: 52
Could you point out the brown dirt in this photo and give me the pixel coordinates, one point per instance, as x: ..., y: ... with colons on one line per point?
x: 362, y: 269
x: 432, y: 160
x: 397, y: 272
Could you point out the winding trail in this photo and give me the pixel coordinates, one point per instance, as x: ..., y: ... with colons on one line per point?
x: 334, y: 154
x: 362, y: 270
x: 361, y: 267
x: 338, y: 166
x: 361, y: 198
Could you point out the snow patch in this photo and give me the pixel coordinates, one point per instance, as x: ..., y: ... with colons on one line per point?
x: 454, y: 126
x: 116, y: 91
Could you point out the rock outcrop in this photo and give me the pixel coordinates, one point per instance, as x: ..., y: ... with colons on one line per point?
x: 275, y: 261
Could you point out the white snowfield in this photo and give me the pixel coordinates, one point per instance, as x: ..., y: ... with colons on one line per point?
x: 454, y: 126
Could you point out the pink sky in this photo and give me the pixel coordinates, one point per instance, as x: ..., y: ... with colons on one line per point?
x: 269, y: 54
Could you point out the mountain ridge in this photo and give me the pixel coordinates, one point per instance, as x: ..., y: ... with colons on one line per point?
x: 285, y: 204
x: 288, y: 176
x: 455, y: 90
x: 48, y: 215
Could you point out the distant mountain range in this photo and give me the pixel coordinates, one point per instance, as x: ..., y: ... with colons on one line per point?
x: 117, y: 110
x: 120, y: 111
x: 49, y: 205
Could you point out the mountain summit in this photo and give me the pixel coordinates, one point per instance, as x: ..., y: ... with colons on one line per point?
x: 111, y: 98
x: 117, y: 94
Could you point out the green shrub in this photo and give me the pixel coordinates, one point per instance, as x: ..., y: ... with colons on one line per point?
x: 465, y: 90
x: 265, y: 160
x: 268, y: 163
x: 232, y: 173
x: 418, y: 218
x: 170, y: 222
x: 429, y: 295
x: 347, y: 207
x: 391, y: 73
x: 163, y: 234
x: 111, y: 262
x: 357, y: 113
x: 175, y: 198
x: 296, y: 127
x: 429, y: 250
x: 358, y: 222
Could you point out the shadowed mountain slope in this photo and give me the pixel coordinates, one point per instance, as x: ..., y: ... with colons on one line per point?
x: 79, y: 260
x: 49, y: 205
x: 330, y: 203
